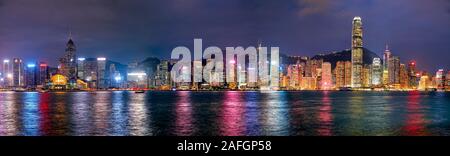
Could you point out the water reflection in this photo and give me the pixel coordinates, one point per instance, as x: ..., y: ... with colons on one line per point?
x: 44, y: 112
x: 224, y: 113
x: 137, y: 115
x: 325, y: 116
x: 101, y: 112
x: 231, y: 115
x: 30, y: 114
x: 183, y: 113
x: 8, y: 115
x: 415, y: 119
x: 275, y: 114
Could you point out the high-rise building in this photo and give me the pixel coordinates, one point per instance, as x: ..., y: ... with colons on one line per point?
x: 425, y: 82
x: 294, y: 73
x: 343, y: 73
x: 43, y: 75
x: 7, y: 73
x: 412, y: 74
x: 386, y: 57
x: 447, y: 81
x: 68, y: 63
x: 440, y: 79
x: 404, y: 80
x: 327, y: 83
x: 163, y: 74
x: 81, y: 73
x: 31, y: 76
x: 394, y: 70
x: 377, y: 72
x: 366, y: 76
x: 101, y: 73
x: 357, y: 52
x: 18, y: 73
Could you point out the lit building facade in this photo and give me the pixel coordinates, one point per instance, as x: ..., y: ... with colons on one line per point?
x: 412, y: 75
x: 31, y: 76
x: 377, y: 72
x: 326, y: 77
x: 394, y: 70
x: 43, y: 77
x: 18, y: 73
x: 404, y: 80
x: 386, y: 59
x: 357, y: 52
x: 68, y: 63
x: 366, y: 76
x: 440, y: 79
x: 343, y: 74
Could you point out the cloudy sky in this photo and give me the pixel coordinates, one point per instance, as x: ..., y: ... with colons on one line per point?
x: 126, y: 30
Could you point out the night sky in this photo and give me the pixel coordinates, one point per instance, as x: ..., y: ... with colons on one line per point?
x: 126, y: 30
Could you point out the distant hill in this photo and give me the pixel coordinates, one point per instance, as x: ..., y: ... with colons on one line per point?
x: 346, y: 55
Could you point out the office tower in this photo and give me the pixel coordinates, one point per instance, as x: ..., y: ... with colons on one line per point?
x: 404, y: 80
x: 327, y: 82
x: 377, y: 72
x: 366, y: 76
x: 101, y: 73
x: 412, y: 74
x: 343, y: 74
x: 357, y: 52
x: 7, y: 73
x: 339, y: 72
x: 163, y: 74
x: 31, y: 76
x: 295, y: 76
x: 18, y: 73
x: 81, y: 73
x: 386, y: 57
x: 68, y: 63
x: 447, y: 81
x: 394, y: 70
x: 43, y: 75
x: 440, y: 79
x: 90, y: 72
x: 425, y: 82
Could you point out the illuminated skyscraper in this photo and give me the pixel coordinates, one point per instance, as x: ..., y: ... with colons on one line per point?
x: 366, y: 76
x: 18, y: 73
x: 7, y: 73
x: 394, y: 70
x: 327, y: 82
x: 295, y: 76
x: 343, y: 74
x: 386, y: 57
x: 68, y: 63
x: 31, y: 75
x: 43, y: 75
x: 440, y: 79
x: 404, y: 81
x: 357, y: 52
x: 412, y: 74
x: 447, y: 81
x: 101, y: 73
x: 377, y: 72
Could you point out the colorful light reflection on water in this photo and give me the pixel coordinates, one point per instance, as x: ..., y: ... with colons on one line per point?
x: 228, y: 113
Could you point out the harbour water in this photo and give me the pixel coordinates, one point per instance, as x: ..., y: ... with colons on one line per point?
x: 225, y: 113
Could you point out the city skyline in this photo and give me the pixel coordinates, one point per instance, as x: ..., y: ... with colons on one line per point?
x: 302, y: 31
x: 360, y: 70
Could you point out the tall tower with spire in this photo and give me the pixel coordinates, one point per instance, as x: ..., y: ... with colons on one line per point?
x: 357, y: 52
x: 68, y: 64
x: 386, y: 57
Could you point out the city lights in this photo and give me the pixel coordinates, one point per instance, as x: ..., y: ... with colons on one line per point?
x: 31, y: 65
